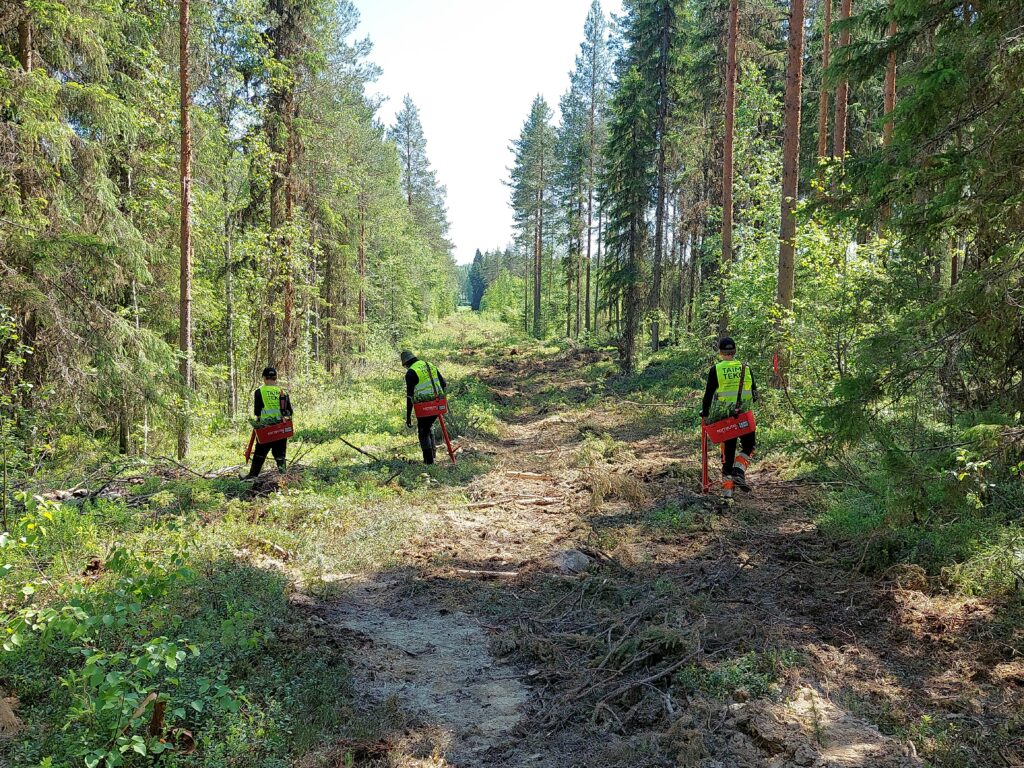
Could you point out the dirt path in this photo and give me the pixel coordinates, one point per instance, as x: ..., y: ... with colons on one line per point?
x: 586, y: 608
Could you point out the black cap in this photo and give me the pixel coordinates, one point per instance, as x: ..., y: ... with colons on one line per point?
x: 270, y: 372
x: 407, y: 356
x: 726, y: 344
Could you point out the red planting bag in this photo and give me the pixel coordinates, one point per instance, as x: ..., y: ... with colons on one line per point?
x: 437, y: 407
x: 730, y: 427
x: 274, y: 432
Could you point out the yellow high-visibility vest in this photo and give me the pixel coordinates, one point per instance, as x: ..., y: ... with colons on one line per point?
x: 728, y: 373
x: 271, y: 402
x: 429, y: 385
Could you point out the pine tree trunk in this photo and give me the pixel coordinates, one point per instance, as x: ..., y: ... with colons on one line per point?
x: 288, y: 325
x: 578, y: 266
x: 229, y: 311
x: 527, y: 270
x: 25, y: 57
x: 843, y: 91
x: 362, y: 277
x: 342, y: 314
x: 659, y: 211
x: 890, y: 91
x: 124, y: 429
x: 633, y: 308
x: 539, y: 253
x: 790, y: 166
x: 954, y: 263
x: 826, y: 50
x: 691, y: 288
x: 597, y: 282
x: 727, y: 164
x: 568, y: 292
x: 592, y: 139
x: 185, y: 282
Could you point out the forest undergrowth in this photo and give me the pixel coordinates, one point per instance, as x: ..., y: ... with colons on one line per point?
x: 155, y: 611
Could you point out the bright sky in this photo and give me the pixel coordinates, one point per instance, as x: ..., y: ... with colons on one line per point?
x: 473, y: 67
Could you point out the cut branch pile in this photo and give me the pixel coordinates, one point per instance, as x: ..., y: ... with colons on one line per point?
x: 609, y: 651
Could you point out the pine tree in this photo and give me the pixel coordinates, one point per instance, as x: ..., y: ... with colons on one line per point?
x: 185, y: 289
x: 532, y: 198
x: 727, y: 159
x: 843, y: 89
x: 826, y: 49
x: 790, y: 167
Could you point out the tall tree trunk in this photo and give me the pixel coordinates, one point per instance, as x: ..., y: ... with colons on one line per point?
x: 328, y: 296
x: 229, y: 310
x: 659, y: 210
x: 695, y: 246
x: 727, y: 164
x: 890, y: 91
x: 527, y: 271
x: 826, y: 49
x: 954, y: 262
x: 790, y: 167
x: 597, y: 282
x: 124, y: 429
x: 578, y: 265
x: 592, y: 140
x: 185, y: 282
x: 568, y: 296
x: 288, y: 325
x: 537, y: 272
x: 343, y: 287
x: 843, y: 91
x: 25, y: 56
x: 633, y: 309
x: 362, y: 276
x: 539, y: 251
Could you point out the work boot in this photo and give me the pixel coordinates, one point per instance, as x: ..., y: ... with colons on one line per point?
x: 727, y: 486
x: 739, y: 472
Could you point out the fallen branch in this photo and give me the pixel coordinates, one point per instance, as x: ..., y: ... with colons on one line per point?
x: 623, y: 690
x: 530, y: 476
x: 178, y: 464
x: 356, y: 448
x: 486, y: 504
x: 538, y: 501
x: 494, y: 574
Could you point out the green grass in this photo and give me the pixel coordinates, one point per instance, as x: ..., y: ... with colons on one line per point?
x: 756, y: 674
x: 181, y: 589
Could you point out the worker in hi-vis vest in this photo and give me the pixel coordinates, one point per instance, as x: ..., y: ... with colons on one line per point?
x: 423, y: 383
x: 270, y: 405
x: 720, y: 397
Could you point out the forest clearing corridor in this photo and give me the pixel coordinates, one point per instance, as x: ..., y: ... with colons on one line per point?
x: 587, y: 607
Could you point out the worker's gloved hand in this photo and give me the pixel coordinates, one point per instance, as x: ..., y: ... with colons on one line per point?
x: 703, y: 415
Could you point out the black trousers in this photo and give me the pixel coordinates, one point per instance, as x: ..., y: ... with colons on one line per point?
x: 425, y: 428
x: 729, y: 451
x: 279, y: 449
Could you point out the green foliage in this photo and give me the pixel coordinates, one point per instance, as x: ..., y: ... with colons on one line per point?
x: 756, y: 674
x: 503, y: 299
x: 281, y: 214
x: 172, y: 594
